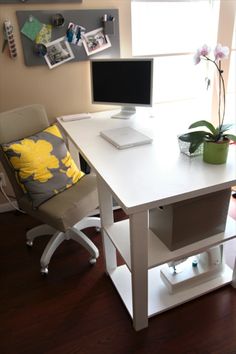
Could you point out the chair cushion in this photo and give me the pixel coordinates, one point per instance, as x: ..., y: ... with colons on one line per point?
x: 66, y: 208
x: 43, y: 165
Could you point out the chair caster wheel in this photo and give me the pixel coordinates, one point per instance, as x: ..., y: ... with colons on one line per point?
x: 44, y: 270
x: 29, y: 243
x: 92, y: 260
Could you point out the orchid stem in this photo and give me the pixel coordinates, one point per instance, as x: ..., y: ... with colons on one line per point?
x: 221, y: 88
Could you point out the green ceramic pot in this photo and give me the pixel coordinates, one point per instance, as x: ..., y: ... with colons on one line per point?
x: 215, y: 153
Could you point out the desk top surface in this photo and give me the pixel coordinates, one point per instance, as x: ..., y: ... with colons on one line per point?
x: 151, y: 175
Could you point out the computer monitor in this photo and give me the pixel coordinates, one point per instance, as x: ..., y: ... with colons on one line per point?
x: 124, y: 82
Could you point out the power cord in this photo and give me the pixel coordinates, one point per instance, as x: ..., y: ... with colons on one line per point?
x: 8, y: 199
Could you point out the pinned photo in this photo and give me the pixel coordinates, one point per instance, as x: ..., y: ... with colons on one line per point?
x: 95, y: 41
x: 74, y: 34
x: 58, y: 52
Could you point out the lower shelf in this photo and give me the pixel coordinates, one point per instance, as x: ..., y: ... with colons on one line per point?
x: 159, y: 299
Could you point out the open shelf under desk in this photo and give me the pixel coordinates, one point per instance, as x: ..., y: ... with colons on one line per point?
x: 158, y: 253
x: 159, y: 299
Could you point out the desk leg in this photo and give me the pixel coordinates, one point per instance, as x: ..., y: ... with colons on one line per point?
x: 105, y: 205
x: 139, y: 266
x: 234, y: 275
x: 74, y: 152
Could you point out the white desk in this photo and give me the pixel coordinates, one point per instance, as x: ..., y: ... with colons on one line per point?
x: 139, y: 179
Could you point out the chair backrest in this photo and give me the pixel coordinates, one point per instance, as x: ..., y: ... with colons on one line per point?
x: 22, y: 122
x: 17, y: 124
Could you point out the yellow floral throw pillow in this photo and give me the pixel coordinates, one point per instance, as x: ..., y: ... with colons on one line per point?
x: 43, y: 165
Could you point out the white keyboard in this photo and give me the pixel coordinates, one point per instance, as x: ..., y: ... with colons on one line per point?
x: 71, y: 117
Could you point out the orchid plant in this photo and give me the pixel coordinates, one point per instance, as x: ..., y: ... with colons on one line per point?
x: 218, y: 134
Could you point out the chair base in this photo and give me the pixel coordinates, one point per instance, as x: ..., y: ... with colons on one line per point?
x: 73, y: 233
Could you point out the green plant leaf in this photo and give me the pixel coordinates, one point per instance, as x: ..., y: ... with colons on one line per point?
x: 204, y: 123
x: 225, y: 127
x: 194, y: 146
x: 194, y: 137
x: 230, y: 137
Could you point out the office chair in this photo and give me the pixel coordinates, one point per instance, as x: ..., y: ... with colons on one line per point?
x: 64, y: 214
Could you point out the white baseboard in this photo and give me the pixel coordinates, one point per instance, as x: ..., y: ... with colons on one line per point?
x: 4, y: 207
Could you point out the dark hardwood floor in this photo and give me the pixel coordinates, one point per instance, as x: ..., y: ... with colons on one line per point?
x: 76, y: 309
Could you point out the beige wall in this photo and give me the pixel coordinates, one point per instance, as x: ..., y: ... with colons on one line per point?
x: 63, y: 90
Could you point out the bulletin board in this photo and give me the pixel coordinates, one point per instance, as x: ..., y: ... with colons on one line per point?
x: 90, y: 20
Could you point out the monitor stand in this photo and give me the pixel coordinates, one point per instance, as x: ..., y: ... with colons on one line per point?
x: 125, y: 113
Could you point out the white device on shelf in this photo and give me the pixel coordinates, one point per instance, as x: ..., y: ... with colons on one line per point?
x: 193, y: 270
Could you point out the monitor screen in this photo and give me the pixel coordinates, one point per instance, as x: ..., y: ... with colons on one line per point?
x: 125, y: 82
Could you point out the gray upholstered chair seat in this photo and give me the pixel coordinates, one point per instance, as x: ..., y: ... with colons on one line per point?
x: 66, y: 208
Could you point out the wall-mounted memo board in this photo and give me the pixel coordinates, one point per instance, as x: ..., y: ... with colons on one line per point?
x: 37, y: 1
x: 89, y: 19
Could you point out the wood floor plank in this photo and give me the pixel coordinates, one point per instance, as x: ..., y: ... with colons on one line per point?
x: 76, y: 309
